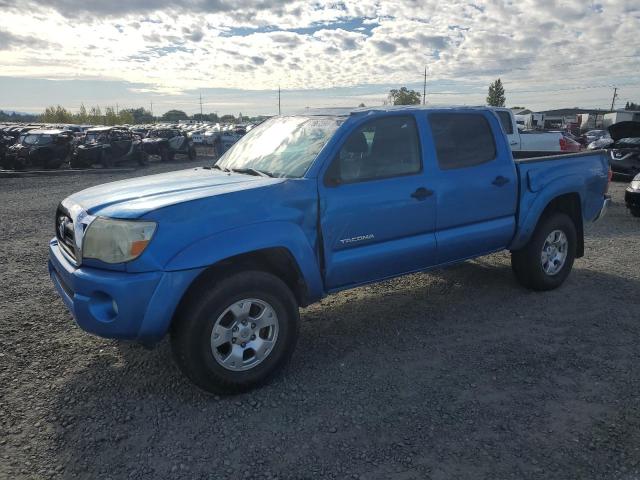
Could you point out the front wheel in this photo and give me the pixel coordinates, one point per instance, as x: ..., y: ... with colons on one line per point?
x: 233, y: 335
x: 546, y: 261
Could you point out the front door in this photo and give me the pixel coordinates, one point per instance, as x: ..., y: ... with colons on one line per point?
x: 377, y: 213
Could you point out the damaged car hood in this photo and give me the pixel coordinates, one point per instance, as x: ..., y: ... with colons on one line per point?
x: 624, y: 130
x: 137, y: 196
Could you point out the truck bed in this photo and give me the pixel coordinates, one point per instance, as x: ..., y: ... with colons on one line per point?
x: 581, y: 176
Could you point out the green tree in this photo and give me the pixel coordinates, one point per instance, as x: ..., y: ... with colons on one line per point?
x: 110, y: 117
x: 496, y: 97
x: 138, y: 115
x: 95, y: 116
x: 125, y: 117
x: 82, y: 115
x: 404, y: 96
x: 57, y: 114
x: 227, y: 119
x: 632, y: 106
x: 174, y: 116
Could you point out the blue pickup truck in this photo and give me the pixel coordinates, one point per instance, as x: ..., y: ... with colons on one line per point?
x: 222, y: 257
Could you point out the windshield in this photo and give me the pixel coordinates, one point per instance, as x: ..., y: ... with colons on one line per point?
x: 282, y: 146
x: 37, y: 139
x: 95, y: 137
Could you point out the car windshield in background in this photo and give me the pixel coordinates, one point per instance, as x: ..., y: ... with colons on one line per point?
x: 161, y: 134
x: 282, y: 146
x: 94, y: 137
x: 37, y: 139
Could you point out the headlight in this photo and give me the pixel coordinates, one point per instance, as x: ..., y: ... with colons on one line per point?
x: 116, y: 241
x: 635, y: 185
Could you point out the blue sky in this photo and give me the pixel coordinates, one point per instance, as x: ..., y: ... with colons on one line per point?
x: 235, y: 54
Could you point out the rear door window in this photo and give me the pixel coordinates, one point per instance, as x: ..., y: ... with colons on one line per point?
x: 462, y: 139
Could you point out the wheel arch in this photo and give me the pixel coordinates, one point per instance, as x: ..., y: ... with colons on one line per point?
x: 569, y: 203
x: 278, y: 261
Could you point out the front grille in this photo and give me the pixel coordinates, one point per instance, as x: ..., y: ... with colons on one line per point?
x: 64, y: 232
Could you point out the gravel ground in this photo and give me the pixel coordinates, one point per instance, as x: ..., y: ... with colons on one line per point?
x: 453, y: 374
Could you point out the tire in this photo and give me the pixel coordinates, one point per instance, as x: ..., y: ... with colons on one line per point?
x: 527, y: 263
x: 143, y: 158
x: 52, y: 163
x: 75, y: 162
x: 193, y: 336
x: 635, y: 211
x: 106, y: 159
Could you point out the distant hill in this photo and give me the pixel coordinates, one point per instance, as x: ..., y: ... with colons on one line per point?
x: 13, y: 116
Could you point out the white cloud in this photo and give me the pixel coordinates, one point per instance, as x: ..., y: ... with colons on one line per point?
x: 171, y: 47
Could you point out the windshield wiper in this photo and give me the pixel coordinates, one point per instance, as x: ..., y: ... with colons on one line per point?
x: 252, y: 171
x: 218, y: 167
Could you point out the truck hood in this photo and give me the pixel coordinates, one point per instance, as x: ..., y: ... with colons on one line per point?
x: 136, y: 197
x: 624, y: 130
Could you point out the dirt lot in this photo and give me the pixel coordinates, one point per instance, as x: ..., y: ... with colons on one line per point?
x: 455, y: 374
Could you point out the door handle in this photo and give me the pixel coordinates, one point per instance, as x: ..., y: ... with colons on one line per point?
x: 422, y: 193
x: 499, y: 181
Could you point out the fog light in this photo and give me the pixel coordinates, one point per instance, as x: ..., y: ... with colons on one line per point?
x: 103, y: 307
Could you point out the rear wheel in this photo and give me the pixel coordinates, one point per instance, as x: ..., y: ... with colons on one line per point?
x: 106, y: 160
x: 546, y: 261
x: 143, y: 158
x: 164, y: 154
x: 75, y: 162
x: 52, y: 163
x: 235, y: 334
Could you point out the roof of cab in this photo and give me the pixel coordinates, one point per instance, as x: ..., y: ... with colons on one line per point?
x: 347, y: 111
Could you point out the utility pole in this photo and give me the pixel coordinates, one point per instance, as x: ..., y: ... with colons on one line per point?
x: 152, y: 111
x: 613, y: 100
x: 117, y: 110
x: 200, y: 106
x: 424, y: 87
x: 279, y: 100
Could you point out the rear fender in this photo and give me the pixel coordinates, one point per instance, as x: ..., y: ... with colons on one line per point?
x: 251, y: 238
x: 536, y: 199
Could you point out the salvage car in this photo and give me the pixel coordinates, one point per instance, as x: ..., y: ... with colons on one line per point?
x: 5, y: 142
x: 168, y: 142
x: 108, y: 146
x: 632, y: 196
x: 39, y: 149
x: 222, y: 257
x: 625, y: 150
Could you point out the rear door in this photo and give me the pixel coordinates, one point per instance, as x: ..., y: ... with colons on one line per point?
x: 476, y: 184
x: 377, y: 214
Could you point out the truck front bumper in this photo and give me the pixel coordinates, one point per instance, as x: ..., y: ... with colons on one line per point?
x: 121, y: 305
